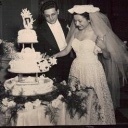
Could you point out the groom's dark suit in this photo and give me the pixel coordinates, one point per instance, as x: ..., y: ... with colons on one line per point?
x: 47, y: 44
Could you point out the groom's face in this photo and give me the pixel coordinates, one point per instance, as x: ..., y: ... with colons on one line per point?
x: 51, y: 15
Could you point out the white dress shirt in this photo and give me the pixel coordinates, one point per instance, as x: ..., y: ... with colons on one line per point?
x: 58, y: 34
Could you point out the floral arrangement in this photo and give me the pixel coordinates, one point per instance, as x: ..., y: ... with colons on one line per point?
x: 8, y: 48
x: 46, y: 62
x: 75, y: 96
x: 10, y: 105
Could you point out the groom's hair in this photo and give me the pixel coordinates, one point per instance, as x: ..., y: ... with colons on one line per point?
x: 48, y: 4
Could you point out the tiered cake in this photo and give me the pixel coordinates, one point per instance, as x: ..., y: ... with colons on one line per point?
x: 28, y: 61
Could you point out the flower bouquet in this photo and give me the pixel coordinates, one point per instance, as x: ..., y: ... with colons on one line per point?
x: 76, y: 97
x: 8, y: 49
x: 46, y: 62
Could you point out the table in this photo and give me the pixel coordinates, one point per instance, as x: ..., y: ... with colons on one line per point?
x: 36, y: 117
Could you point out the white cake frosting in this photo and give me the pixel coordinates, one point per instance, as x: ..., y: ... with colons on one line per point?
x: 30, y: 61
x: 29, y: 87
x: 25, y: 61
x: 27, y: 36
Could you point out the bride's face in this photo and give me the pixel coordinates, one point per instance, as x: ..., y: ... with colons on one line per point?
x: 81, y: 22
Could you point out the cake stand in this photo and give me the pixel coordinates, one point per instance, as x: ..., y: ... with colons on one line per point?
x: 20, y: 75
x: 23, y: 44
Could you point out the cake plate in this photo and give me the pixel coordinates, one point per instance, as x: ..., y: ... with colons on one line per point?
x: 22, y: 72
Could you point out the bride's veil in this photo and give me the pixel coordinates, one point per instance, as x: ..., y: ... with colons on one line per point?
x: 115, y: 66
x: 71, y: 31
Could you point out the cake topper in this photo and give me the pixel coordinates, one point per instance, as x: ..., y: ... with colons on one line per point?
x: 27, y: 19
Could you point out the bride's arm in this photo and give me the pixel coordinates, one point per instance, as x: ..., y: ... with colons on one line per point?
x: 100, y: 44
x: 63, y: 52
x: 66, y: 50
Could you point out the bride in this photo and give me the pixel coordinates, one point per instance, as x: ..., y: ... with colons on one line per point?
x: 88, y: 39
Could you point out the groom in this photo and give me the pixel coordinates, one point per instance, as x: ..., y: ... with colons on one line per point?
x: 51, y: 36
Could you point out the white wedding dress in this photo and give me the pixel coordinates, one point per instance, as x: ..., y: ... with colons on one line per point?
x: 89, y: 71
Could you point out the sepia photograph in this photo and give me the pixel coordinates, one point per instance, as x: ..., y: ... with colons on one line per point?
x: 64, y: 63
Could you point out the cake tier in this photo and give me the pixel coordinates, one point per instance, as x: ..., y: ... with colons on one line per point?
x: 25, y: 61
x: 20, y: 66
x: 29, y: 61
x: 29, y: 87
x: 23, y: 72
x: 27, y: 36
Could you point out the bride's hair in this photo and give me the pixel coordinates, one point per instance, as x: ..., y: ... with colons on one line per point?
x: 85, y: 14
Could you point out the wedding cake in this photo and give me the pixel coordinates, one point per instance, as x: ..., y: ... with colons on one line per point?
x: 28, y: 61
x: 29, y: 86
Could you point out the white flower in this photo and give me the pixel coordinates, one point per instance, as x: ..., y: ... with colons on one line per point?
x: 4, y: 109
x: 60, y: 97
x: 64, y: 82
x: 69, y: 93
x: 37, y: 103
x: 10, y: 85
x: 73, y: 88
x: 44, y: 66
x: 79, y: 87
x: 5, y: 101
x: 53, y: 60
x: 28, y: 106
x: 56, y: 103
x: 11, y: 104
x: 6, y: 104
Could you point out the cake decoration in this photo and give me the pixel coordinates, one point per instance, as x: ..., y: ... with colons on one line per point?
x: 27, y: 19
x: 27, y: 34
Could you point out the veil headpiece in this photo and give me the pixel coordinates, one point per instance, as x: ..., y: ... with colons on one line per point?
x: 79, y: 9
x: 118, y: 61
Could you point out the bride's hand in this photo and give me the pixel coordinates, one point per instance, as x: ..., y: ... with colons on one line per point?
x: 54, y: 56
x: 97, y: 50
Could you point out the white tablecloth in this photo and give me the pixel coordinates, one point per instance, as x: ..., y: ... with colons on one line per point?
x: 36, y: 117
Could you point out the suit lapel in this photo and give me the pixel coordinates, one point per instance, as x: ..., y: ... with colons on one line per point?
x: 49, y: 36
x: 64, y: 27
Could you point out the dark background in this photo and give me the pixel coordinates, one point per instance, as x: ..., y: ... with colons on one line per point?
x: 11, y: 20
